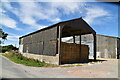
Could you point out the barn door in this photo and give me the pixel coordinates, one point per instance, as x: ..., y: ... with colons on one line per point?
x: 70, y: 53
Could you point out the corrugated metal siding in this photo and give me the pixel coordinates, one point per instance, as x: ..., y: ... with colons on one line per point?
x: 107, y: 47
x: 43, y: 42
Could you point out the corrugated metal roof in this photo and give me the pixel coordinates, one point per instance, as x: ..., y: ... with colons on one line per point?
x: 71, y: 27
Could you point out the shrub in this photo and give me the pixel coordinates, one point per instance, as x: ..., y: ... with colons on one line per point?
x: 8, y: 48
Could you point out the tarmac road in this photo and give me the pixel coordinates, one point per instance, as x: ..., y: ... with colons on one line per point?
x: 106, y: 69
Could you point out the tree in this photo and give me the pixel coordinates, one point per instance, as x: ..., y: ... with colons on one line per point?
x: 3, y: 35
x: 8, y: 48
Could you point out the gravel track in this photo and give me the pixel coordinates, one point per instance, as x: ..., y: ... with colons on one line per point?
x: 106, y: 69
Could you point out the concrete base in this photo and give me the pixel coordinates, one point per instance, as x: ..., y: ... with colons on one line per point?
x: 47, y: 59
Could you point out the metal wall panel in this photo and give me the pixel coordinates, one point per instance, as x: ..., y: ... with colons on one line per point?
x: 49, y: 48
x: 43, y: 43
x: 106, y: 45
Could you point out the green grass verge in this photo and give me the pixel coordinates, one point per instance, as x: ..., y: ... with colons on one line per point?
x: 18, y: 58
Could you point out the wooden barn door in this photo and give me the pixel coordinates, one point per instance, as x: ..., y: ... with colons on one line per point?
x: 70, y: 53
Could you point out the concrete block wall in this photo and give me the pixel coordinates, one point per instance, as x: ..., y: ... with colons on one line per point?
x: 47, y: 59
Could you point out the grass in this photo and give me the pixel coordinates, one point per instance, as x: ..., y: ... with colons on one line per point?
x: 18, y: 58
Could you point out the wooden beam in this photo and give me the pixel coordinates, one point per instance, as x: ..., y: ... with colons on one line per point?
x: 80, y: 46
x: 73, y: 39
x: 59, y: 44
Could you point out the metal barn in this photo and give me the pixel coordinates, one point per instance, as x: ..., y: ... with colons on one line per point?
x: 46, y: 45
x: 107, y: 46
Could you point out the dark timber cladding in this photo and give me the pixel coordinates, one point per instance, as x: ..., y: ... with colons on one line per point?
x: 47, y: 41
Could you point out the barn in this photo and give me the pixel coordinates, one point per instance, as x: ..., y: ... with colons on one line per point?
x: 46, y: 44
x: 107, y: 46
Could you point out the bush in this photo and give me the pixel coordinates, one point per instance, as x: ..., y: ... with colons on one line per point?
x: 8, y: 48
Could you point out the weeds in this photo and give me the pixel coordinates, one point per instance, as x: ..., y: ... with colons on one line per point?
x: 19, y: 58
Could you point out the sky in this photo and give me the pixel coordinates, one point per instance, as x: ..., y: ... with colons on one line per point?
x: 20, y: 18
